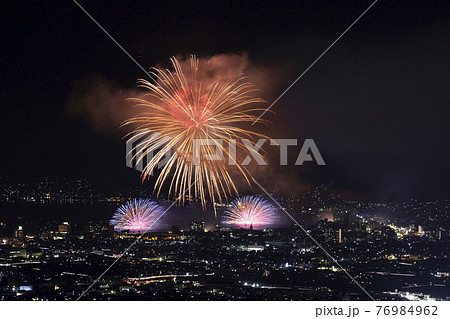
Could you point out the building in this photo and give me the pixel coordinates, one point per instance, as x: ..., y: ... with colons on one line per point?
x: 251, y: 248
x: 18, y: 233
x: 64, y: 228
x: 197, y: 226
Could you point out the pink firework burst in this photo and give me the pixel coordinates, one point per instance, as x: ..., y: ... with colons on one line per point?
x: 250, y: 211
x: 136, y: 216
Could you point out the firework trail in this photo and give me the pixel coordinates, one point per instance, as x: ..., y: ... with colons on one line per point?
x: 187, y: 105
x: 250, y: 210
x: 136, y: 216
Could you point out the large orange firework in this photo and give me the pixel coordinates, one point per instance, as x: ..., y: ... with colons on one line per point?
x: 187, y: 104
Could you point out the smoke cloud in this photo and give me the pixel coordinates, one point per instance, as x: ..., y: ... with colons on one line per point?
x: 103, y: 103
x: 265, y: 78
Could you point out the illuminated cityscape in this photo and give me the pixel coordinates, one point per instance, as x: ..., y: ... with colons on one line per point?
x: 265, y: 150
x: 398, y: 252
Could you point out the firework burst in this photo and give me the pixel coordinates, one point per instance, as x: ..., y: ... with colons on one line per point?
x: 250, y: 210
x: 136, y: 216
x: 187, y: 105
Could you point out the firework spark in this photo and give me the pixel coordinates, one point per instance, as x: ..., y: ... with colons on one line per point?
x: 187, y: 105
x: 136, y: 216
x: 250, y: 210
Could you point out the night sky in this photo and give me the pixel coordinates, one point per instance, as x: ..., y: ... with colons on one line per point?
x: 376, y: 104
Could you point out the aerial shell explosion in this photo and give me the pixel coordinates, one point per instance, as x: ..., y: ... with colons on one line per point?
x: 186, y: 105
x: 250, y: 211
x: 136, y: 216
